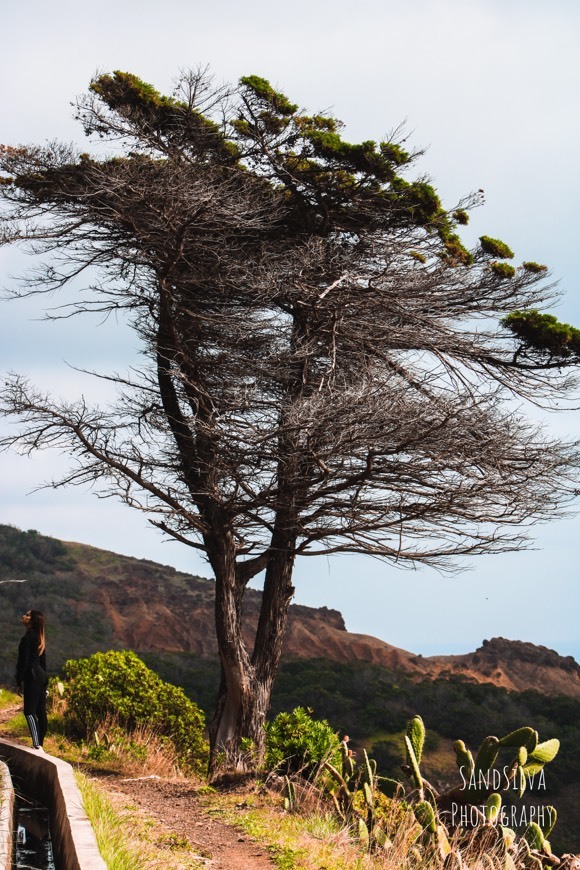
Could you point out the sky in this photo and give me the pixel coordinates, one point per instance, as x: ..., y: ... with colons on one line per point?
x: 489, y: 87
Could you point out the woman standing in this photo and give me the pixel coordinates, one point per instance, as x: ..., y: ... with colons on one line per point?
x: 31, y: 677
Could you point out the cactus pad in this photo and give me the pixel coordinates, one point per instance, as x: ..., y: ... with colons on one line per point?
x: 545, y: 752
x: 425, y: 815
x: 520, y: 737
x: 486, y: 755
x: 416, y: 734
x: 413, y: 764
x: 492, y: 808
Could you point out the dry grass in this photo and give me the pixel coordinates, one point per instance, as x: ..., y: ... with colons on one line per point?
x: 310, y: 838
x: 8, y: 698
x: 143, y: 752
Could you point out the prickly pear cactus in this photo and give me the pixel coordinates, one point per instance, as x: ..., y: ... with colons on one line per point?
x: 520, y: 737
x: 414, y: 766
x: 486, y: 756
x: 485, y: 778
x: 499, y: 764
x: 425, y: 815
x: 357, y: 784
x: 492, y: 808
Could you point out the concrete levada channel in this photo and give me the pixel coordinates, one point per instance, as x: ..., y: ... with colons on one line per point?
x: 33, y: 847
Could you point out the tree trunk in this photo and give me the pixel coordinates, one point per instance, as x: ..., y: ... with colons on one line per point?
x: 237, y: 731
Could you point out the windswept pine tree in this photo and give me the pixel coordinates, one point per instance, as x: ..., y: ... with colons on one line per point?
x: 326, y: 367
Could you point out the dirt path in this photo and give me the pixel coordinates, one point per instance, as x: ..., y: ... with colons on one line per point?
x: 175, y: 804
x: 7, y: 713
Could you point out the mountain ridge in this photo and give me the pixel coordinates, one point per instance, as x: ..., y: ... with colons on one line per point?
x: 139, y: 604
x: 322, y: 633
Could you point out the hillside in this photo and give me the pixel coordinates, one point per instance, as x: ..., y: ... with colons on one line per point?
x: 95, y: 599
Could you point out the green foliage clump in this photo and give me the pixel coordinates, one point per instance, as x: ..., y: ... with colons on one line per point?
x: 136, y: 100
x: 118, y: 89
x: 119, y: 686
x: 297, y: 742
x: 461, y: 216
x: 544, y: 332
x: 315, y: 140
x: 496, y: 248
x: 502, y: 270
x: 534, y: 268
x: 455, y: 251
x: 157, y: 115
x: 361, y: 158
x: 394, y: 153
x: 420, y: 199
x: 264, y: 91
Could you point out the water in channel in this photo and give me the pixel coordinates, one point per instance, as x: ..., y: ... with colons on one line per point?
x: 33, y: 849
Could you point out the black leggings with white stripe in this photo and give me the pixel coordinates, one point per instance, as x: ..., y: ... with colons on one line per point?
x: 35, y: 710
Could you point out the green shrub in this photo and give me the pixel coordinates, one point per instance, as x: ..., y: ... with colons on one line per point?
x: 119, y: 686
x: 455, y: 251
x: 496, y: 248
x: 297, y: 742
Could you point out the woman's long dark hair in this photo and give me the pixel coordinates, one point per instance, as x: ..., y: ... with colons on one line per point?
x: 37, y: 625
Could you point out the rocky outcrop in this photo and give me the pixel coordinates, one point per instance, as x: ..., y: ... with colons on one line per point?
x: 515, y: 665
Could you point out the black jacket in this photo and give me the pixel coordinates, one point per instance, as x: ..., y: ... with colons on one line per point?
x: 28, y: 658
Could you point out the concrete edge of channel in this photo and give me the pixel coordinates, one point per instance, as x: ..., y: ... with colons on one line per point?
x: 6, y: 817
x: 52, y: 781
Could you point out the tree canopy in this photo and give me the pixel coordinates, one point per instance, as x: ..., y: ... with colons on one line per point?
x: 326, y: 366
